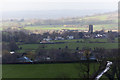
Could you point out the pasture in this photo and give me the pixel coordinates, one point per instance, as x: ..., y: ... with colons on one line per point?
x: 60, y: 27
x: 52, y: 28
x: 61, y: 70
x: 33, y: 47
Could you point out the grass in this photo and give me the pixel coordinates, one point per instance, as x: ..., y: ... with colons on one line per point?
x: 103, y: 17
x: 52, y: 28
x: 33, y: 47
x: 106, y: 27
x: 75, y: 40
x: 96, y: 27
x: 69, y: 70
x: 100, y: 17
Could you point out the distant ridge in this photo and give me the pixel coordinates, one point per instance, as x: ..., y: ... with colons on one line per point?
x: 52, y: 14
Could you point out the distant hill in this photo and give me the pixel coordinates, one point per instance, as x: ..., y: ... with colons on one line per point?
x: 51, y: 14
x: 104, y: 17
x: 106, y: 21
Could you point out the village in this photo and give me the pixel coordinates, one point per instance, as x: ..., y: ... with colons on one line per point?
x: 82, y: 35
x: 81, y: 38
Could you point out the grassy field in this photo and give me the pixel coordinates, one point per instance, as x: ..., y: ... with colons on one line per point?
x: 60, y: 27
x: 106, y: 27
x: 33, y: 47
x: 92, y: 40
x: 69, y: 70
x: 52, y: 28
x: 103, y: 17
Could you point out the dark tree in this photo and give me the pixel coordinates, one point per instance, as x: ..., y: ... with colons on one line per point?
x: 81, y: 35
x: 13, y: 46
x: 77, y: 48
x: 66, y: 47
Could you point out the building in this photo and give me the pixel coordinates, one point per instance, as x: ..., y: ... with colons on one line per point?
x: 59, y: 38
x: 90, y: 29
x: 24, y: 59
x: 47, y: 39
x: 12, y: 52
x: 90, y: 58
x: 70, y: 37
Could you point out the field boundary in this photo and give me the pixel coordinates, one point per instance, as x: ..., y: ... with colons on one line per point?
x: 53, y: 62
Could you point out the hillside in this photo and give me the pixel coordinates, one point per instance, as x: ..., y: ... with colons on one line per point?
x: 106, y: 21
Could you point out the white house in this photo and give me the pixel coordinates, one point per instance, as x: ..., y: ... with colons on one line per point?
x: 12, y: 52
x: 70, y: 37
x: 98, y: 35
x: 59, y: 38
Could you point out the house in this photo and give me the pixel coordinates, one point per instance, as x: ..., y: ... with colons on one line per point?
x: 24, y: 59
x: 70, y: 37
x: 42, y: 58
x: 81, y: 52
x: 47, y: 39
x: 99, y: 36
x: 47, y: 58
x: 12, y: 52
x: 90, y: 58
x: 59, y: 38
x: 87, y: 36
x: 44, y: 41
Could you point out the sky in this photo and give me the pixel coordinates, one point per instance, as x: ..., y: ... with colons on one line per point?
x: 31, y: 5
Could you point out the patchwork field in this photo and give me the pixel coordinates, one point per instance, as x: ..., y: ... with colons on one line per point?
x: 106, y: 21
x: 61, y: 70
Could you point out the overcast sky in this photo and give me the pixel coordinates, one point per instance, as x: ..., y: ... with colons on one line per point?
x: 23, y: 5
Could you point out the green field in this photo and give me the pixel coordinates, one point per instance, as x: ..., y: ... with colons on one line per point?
x: 69, y: 70
x: 100, y: 17
x: 33, y: 47
x: 52, y: 28
x: 106, y: 27
x: 92, y: 40
x: 104, y: 17
x: 60, y: 27
x: 0, y: 29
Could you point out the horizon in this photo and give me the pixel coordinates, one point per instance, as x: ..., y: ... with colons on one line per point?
x: 53, y: 14
x: 55, y: 8
x: 20, y: 5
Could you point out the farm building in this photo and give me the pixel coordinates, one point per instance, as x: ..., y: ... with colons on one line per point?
x: 24, y: 59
